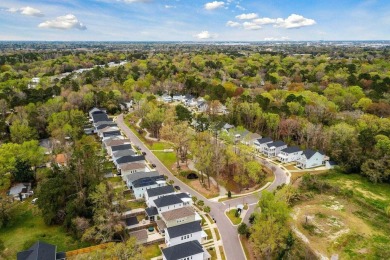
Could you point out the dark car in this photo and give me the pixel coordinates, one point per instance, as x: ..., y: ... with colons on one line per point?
x: 177, y: 187
x: 143, y: 153
x: 153, y: 165
x: 192, y: 176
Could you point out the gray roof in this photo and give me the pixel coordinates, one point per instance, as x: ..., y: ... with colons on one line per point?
x: 276, y: 144
x: 152, y: 211
x: 160, y: 191
x: 184, y: 229
x: 39, y: 251
x: 264, y: 140
x: 109, y: 122
x: 100, y: 117
x: 105, y: 124
x: 308, y: 153
x: 119, y: 154
x: 18, y: 188
x: 138, y: 175
x: 111, y: 133
x: 128, y: 159
x: 121, y: 147
x: 183, y: 250
x: 292, y: 149
x: 227, y: 126
x: 147, y: 181
x: 167, y: 201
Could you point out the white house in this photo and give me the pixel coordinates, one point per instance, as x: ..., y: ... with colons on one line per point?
x: 250, y: 138
x: 261, y: 143
x: 170, y: 202
x: 155, y: 193
x: 130, y: 168
x: 274, y: 148
x: 106, y: 129
x: 177, y: 97
x: 114, y: 141
x: 183, y: 233
x: 180, y: 216
x: 289, y: 154
x: 202, y: 106
x: 121, y: 153
x: 166, y: 98
x: 141, y: 185
x: 310, y: 158
x: 33, y: 83
x: 191, y: 250
x: 139, y: 175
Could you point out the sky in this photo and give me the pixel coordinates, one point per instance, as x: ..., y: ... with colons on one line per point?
x: 194, y: 20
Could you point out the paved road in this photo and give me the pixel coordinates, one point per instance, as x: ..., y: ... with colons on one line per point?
x: 228, y: 232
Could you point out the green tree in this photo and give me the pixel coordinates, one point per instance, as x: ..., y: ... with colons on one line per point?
x: 22, y: 171
x: 21, y: 132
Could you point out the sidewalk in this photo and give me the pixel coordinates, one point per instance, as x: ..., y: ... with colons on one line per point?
x: 215, y: 243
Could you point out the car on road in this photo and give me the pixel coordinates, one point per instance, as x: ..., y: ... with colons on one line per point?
x: 153, y: 165
x: 143, y: 153
x: 177, y: 187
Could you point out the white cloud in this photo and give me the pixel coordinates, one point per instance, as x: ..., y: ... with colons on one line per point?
x: 264, y: 21
x: 294, y: 21
x: 205, y: 35
x: 240, y: 7
x: 251, y: 26
x: 233, y: 24
x: 249, y: 16
x: 27, y: 10
x: 65, y: 22
x: 135, y: 1
x: 276, y: 39
x: 214, y: 5
x: 169, y: 6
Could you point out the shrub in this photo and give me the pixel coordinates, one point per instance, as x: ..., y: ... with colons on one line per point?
x: 243, y: 229
x: 194, y: 199
x: 229, y: 194
x: 237, y: 213
x: 200, y: 203
x: 207, y: 209
x: 252, y: 218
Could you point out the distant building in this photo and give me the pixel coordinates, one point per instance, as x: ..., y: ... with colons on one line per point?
x: 183, y: 233
x: 33, y: 83
x: 191, y: 250
x: 41, y: 251
x: 289, y: 154
x: 310, y: 159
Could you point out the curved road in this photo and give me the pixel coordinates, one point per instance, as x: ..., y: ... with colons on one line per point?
x: 228, y: 232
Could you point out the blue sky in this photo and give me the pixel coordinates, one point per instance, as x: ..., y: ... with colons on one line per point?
x: 193, y: 20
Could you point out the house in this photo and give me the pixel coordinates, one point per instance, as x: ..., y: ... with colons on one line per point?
x: 106, y: 129
x: 140, y: 235
x: 187, y: 99
x: 141, y: 185
x: 61, y: 160
x: 250, y: 138
x: 121, y: 153
x: 33, y: 83
x: 100, y: 117
x: 129, y: 159
x: 179, y: 216
x: 289, y: 154
x: 177, y: 97
x: 114, y: 141
x: 183, y: 233
x: 155, y: 193
x: 191, y: 250
x: 102, y: 124
x: 166, y: 98
x: 20, y: 191
x: 121, y: 147
x: 202, y: 106
x: 96, y: 110
x: 274, y: 148
x: 130, y: 168
x: 41, y: 251
x: 139, y: 175
x: 171, y: 202
x: 310, y: 158
x: 260, y: 144
x: 227, y: 127
x: 151, y: 213
x: 106, y: 135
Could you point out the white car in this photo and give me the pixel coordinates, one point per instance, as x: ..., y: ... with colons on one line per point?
x: 34, y: 200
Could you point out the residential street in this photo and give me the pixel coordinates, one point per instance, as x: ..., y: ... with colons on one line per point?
x: 228, y: 232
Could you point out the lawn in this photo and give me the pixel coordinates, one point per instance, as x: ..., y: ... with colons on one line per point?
x: 168, y: 159
x: 150, y: 251
x: 217, y: 234
x: 136, y: 204
x: 160, y: 146
x: 212, y: 253
x: 27, y: 227
x: 232, y: 216
x: 222, y: 252
x: 208, y: 232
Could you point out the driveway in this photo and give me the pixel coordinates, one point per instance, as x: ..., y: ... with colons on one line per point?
x: 228, y: 232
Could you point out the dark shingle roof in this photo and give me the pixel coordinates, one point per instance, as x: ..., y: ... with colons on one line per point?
x: 264, y: 140
x: 152, y: 211
x: 147, y: 181
x: 121, y: 153
x: 128, y: 159
x: 292, y: 149
x: 39, y: 251
x: 131, y: 221
x: 138, y: 175
x: 276, y: 144
x: 184, y: 229
x: 101, y: 126
x: 160, y: 191
x: 100, y: 117
x: 111, y: 133
x: 121, y: 147
x: 167, y: 201
x: 308, y: 153
x: 183, y: 250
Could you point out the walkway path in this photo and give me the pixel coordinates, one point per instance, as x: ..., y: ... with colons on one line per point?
x: 228, y: 232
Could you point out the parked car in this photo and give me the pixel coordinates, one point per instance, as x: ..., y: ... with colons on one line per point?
x: 177, y: 187
x: 34, y: 200
x: 153, y: 165
x: 143, y: 153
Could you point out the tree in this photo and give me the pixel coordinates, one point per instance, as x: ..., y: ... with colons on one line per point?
x: 183, y: 114
x: 23, y: 171
x: 243, y: 229
x: 5, y: 212
x: 270, y: 230
x: 154, y: 120
x: 377, y: 170
x: 21, y: 132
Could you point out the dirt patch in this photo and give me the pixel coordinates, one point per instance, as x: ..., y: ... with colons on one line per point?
x: 213, y: 191
x: 368, y: 194
x: 323, y: 220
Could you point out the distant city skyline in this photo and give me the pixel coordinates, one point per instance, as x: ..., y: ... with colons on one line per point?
x: 184, y: 20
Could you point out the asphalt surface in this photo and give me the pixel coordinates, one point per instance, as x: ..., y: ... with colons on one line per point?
x: 228, y: 232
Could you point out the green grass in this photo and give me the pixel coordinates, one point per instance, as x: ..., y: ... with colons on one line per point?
x: 27, y: 227
x: 208, y: 232
x: 246, y: 250
x: 217, y: 233
x: 168, y: 159
x: 212, y: 253
x: 226, y: 198
x: 160, y: 146
x: 115, y: 179
x: 222, y: 253
x: 231, y: 215
x: 150, y: 251
x: 136, y: 204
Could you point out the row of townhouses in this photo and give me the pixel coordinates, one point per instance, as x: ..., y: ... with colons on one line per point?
x: 172, y: 211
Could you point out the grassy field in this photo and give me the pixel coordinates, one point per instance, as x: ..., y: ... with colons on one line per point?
x: 27, y: 227
x: 350, y: 223
x: 168, y: 159
x: 212, y: 253
x: 208, y: 232
x: 136, y: 204
x: 231, y: 215
x: 151, y: 251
